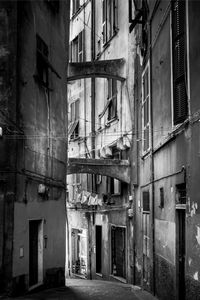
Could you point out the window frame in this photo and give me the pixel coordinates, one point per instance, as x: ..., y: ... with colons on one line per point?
x: 74, y: 119
x: 77, y: 48
x: 109, y: 19
x: 146, y: 98
x: 112, y: 98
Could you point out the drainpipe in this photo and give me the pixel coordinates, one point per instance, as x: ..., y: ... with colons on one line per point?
x: 93, y: 79
x: 152, y: 159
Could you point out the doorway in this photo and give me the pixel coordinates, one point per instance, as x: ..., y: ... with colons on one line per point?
x: 79, y: 251
x: 35, y: 252
x: 98, y: 249
x: 180, y: 255
x: 118, y: 248
x: 180, y: 239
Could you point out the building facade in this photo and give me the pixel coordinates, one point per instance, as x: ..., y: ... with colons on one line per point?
x: 167, y: 251
x: 100, y: 132
x: 150, y: 119
x: 33, y: 120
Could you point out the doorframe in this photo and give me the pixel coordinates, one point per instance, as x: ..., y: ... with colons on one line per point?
x: 180, y: 212
x: 40, y: 251
x: 124, y: 280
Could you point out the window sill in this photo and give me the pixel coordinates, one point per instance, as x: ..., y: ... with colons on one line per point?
x: 106, y: 45
x: 79, y: 10
x: 176, y: 130
x: 75, y: 139
x: 41, y: 83
x: 145, y: 154
x: 111, y: 121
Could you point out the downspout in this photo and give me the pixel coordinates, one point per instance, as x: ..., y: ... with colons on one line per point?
x: 93, y: 79
x: 84, y: 58
x: 92, y: 124
x: 67, y: 26
x: 152, y: 158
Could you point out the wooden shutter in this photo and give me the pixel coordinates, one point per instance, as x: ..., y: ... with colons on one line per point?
x: 179, y: 61
x: 80, y: 46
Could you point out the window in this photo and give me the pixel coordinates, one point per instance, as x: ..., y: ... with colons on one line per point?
x: 145, y: 110
x: 77, y: 47
x: 42, y: 59
x: 118, y: 251
x: 146, y: 204
x: 111, y: 104
x: 109, y: 19
x: 162, y: 199
x: 42, y: 63
x: 75, y: 6
x: 113, y: 184
x: 76, y: 185
x: 180, y: 105
x: 112, y: 98
x: 74, y: 120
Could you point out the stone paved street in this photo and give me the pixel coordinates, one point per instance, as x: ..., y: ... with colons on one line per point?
x: 79, y: 289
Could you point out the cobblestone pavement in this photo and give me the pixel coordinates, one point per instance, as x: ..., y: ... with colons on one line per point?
x: 80, y: 289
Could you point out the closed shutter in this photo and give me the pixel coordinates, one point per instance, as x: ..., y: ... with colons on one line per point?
x: 179, y: 62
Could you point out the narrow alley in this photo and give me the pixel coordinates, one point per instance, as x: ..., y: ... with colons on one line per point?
x: 80, y: 289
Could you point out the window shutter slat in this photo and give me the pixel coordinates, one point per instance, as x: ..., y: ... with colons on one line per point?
x: 179, y: 61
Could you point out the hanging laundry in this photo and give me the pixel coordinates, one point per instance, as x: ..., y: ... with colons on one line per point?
x: 85, y: 197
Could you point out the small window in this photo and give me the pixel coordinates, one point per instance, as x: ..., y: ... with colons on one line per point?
x: 42, y: 58
x: 113, y: 186
x: 145, y: 110
x: 74, y: 120
x: 146, y: 204
x: 162, y: 197
x: 112, y: 98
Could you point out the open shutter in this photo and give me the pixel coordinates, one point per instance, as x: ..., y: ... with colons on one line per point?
x: 179, y: 62
x: 80, y: 46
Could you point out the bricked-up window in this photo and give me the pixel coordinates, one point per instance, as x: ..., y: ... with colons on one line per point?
x: 75, y: 6
x: 77, y: 48
x: 145, y: 110
x: 42, y: 58
x: 109, y: 19
x: 74, y: 120
x: 180, y: 104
